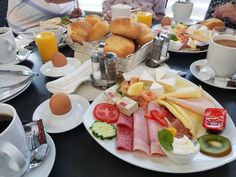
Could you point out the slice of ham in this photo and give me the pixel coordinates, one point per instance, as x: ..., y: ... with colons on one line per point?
x: 153, y: 128
x: 141, y: 137
x: 124, y: 139
x: 197, y: 105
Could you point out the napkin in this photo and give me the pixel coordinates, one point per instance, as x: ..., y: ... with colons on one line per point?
x: 69, y: 83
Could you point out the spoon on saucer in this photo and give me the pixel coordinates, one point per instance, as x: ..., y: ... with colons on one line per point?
x: 38, y: 155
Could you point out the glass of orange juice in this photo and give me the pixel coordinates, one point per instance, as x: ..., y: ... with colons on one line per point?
x: 47, y: 44
x: 145, y: 17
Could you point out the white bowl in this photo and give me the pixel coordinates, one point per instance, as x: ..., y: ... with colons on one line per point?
x: 183, y: 158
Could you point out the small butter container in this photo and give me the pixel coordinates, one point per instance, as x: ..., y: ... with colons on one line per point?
x: 214, y: 120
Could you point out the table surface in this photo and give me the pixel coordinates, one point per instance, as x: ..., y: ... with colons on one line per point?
x: 77, y: 153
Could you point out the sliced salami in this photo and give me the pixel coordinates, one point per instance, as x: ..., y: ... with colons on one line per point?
x: 124, y: 139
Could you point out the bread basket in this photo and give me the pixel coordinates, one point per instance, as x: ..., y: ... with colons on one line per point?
x: 123, y: 64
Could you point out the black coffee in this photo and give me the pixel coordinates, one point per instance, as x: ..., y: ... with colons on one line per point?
x: 5, y: 121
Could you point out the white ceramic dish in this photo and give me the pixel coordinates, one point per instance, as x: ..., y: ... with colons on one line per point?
x: 161, y: 163
x: 49, y: 70
x: 57, y: 124
x: 7, y: 94
x: 211, y: 82
x: 46, y: 167
x: 22, y: 55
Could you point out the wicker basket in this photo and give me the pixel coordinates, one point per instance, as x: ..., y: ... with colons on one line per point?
x: 123, y: 64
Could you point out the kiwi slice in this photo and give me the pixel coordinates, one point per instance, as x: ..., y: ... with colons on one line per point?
x: 214, y: 145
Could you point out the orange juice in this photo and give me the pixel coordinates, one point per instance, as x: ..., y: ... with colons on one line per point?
x: 47, y: 45
x: 145, y: 17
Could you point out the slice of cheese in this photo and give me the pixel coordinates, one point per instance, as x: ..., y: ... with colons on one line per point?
x: 187, y: 92
x: 146, y: 78
x: 157, y: 89
x: 160, y: 73
x: 169, y: 84
x: 189, y: 119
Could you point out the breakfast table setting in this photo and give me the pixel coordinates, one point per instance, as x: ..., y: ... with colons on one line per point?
x: 74, y: 105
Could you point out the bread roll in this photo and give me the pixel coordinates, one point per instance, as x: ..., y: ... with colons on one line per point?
x: 213, y: 23
x: 146, y: 34
x: 120, y: 45
x: 124, y: 27
x: 98, y: 31
x: 78, y: 31
x: 93, y: 19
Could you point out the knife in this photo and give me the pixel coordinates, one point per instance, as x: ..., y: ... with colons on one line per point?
x: 18, y: 73
x: 13, y: 86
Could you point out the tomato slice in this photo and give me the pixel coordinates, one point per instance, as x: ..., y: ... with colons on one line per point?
x: 106, y: 112
x: 155, y: 115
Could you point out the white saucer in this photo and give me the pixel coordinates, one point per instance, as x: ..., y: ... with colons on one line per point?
x: 46, y: 167
x: 49, y: 70
x: 7, y: 94
x: 211, y: 82
x: 22, y: 54
x: 57, y: 124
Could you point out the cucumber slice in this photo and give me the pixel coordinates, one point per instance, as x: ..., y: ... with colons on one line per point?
x: 103, y: 130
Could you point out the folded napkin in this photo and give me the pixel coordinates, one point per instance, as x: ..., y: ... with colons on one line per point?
x: 69, y: 83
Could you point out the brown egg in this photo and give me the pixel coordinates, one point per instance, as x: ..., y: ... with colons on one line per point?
x: 60, y: 104
x: 166, y: 21
x: 58, y: 59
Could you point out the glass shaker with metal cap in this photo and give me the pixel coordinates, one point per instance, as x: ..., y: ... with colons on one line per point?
x: 96, y: 72
x: 155, y: 56
x: 111, y: 71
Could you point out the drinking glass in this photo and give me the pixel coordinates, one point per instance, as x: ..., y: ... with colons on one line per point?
x: 47, y: 44
x: 145, y: 17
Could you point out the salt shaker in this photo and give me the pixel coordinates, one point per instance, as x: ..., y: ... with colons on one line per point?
x: 155, y: 56
x: 111, y: 71
x: 96, y: 73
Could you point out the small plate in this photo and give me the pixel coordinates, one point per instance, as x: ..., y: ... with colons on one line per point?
x: 7, y: 94
x: 211, y: 82
x: 21, y: 55
x: 57, y: 124
x: 45, y: 168
x: 49, y: 70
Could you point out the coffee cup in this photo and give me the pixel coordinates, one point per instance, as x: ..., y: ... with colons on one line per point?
x: 8, y: 46
x: 14, y: 151
x: 222, y: 51
x: 182, y: 11
x: 120, y: 10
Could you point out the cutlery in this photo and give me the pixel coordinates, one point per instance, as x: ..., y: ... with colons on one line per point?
x: 38, y: 155
x: 18, y: 73
x: 13, y: 86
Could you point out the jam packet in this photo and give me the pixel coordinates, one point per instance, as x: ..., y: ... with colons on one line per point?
x: 35, y: 134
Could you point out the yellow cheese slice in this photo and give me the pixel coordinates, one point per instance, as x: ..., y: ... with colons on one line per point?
x: 169, y: 84
x: 189, y: 119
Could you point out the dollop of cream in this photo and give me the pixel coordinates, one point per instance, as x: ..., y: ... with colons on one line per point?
x: 183, y: 146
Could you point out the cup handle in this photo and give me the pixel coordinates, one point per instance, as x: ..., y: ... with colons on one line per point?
x: 11, y: 45
x: 17, y: 159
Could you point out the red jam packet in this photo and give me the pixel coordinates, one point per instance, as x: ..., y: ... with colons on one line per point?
x: 35, y: 134
x: 214, y: 119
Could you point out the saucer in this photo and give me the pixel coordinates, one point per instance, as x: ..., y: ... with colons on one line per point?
x: 62, y: 123
x: 5, y: 79
x: 212, y: 81
x: 45, y: 168
x: 49, y: 70
x: 22, y: 54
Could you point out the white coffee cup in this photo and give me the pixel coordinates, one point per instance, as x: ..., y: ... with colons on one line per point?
x: 222, y: 58
x: 120, y: 10
x: 8, y: 46
x: 14, y: 152
x: 182, y: 11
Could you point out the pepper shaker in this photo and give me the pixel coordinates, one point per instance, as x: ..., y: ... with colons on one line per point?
x: 111, y: 71
x: 154, y: 60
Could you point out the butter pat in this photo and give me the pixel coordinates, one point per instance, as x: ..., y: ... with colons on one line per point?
x: 157, y: 89
x: 111, y: 94
x: 146, y: 78
x: 169, y: 84
x: 127, y: 106
x: 160, y: 73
